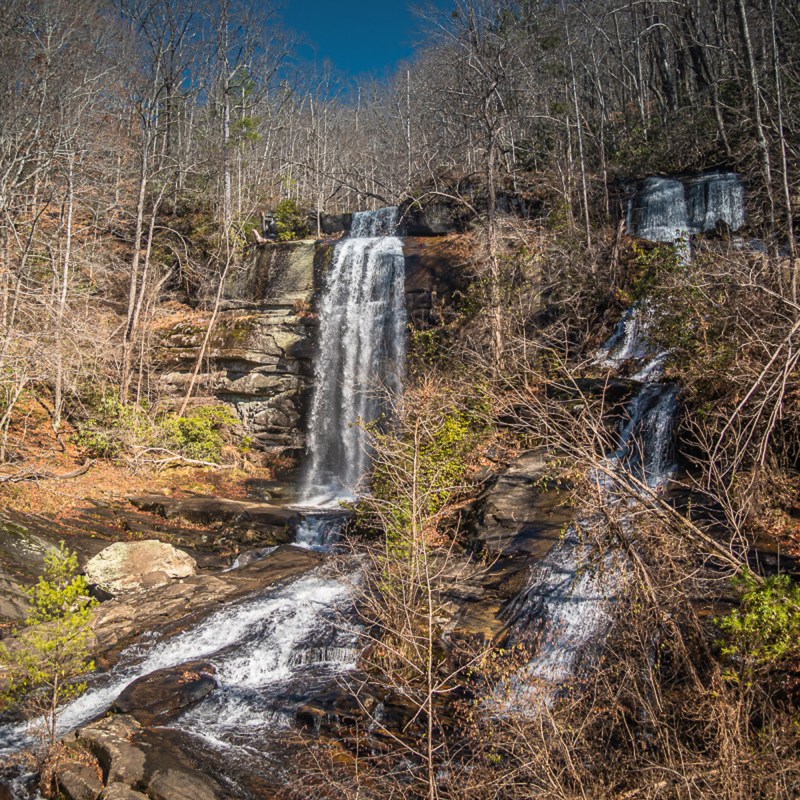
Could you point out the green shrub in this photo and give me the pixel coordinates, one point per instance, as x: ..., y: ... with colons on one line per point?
x: 198, y: 434
x: 52, y: 652
x: 764, y: 632
x: 112, y: 428
x: 290, y: 221
x: 422, y: 463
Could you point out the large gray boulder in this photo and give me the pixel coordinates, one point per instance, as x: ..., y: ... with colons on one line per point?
x: 126, y: 567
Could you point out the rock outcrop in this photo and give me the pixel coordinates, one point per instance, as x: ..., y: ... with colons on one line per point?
x: 135, y: 763
x: 126, y: 567
x: 258, y: 358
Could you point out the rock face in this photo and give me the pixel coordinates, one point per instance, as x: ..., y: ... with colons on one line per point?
x: 125, y: 567
x: 436, y: 272
x: 258, y: 358
x: 519, y: 515
x: 333, y: 223
x: 434, y: 219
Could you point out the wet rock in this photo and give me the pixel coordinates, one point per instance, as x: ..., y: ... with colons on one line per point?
x: 205, y: 510
x: 132, y: 566
x: 434, y: 219
x: 109, y: 741
x: 436, y: 277
x: 172, y: 784
x: 520, y: 514
x: 333, y: 223
x: 178, y: 605
x: 157, y: 698
x: 243, y: 521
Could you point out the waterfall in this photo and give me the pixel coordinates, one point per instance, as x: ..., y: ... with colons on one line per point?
x: 567, y: 608
x: 671, y: 210
x: 272, y: 651
x: 360, y: 356
x: 659, y: 211
x: 628, y: 341
x: 713, y: 199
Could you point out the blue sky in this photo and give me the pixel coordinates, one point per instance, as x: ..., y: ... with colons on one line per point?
x: 356, y: 36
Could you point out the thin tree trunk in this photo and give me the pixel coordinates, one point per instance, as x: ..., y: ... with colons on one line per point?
x: 58, y: 401
x: 759, y: 122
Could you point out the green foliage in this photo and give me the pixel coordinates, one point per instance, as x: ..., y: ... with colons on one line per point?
x: 50, y: 655
x: 290, y: 221
x: 111, y: 427
x: 245, y: 131
x: 764, y: 631
x: 198, y: 434
x: 421, y: 467
x: 115, y: 428
x: 652, y: 266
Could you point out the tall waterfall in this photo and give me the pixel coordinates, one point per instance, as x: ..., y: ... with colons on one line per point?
x: 361, y: 352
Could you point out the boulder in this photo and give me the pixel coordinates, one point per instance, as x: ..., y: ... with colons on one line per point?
x: 174, y: 784
x: 156, y: 698
x: 109, y: 741
x: 125, y: 567
x: 78, y: 781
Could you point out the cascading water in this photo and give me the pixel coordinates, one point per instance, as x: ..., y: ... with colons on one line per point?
x: 567, y: 607
x: 361, y: 352
x: 670, y: 210
x: 659, y: 211
x: 628, y: 341
x: 713, y: 199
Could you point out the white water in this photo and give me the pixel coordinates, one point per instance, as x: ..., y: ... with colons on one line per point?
x: 276, y: 622
x: 360, y: 357
x: 567, y: 609
x: 670, y: 210
x: 715, y: 198
x: 628, y: 342
x: 271, y: 652
x: 301, y: 628
x: 568, y: 605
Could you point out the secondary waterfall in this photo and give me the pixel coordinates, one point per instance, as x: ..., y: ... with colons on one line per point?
x: 360, y: 356
x: 668, y: 210
x: 567, y: 608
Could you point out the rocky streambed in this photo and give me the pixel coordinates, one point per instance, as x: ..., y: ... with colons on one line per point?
x: 201, y: 676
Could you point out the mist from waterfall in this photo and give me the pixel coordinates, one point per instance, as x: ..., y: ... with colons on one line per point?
x: 360, y: 354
